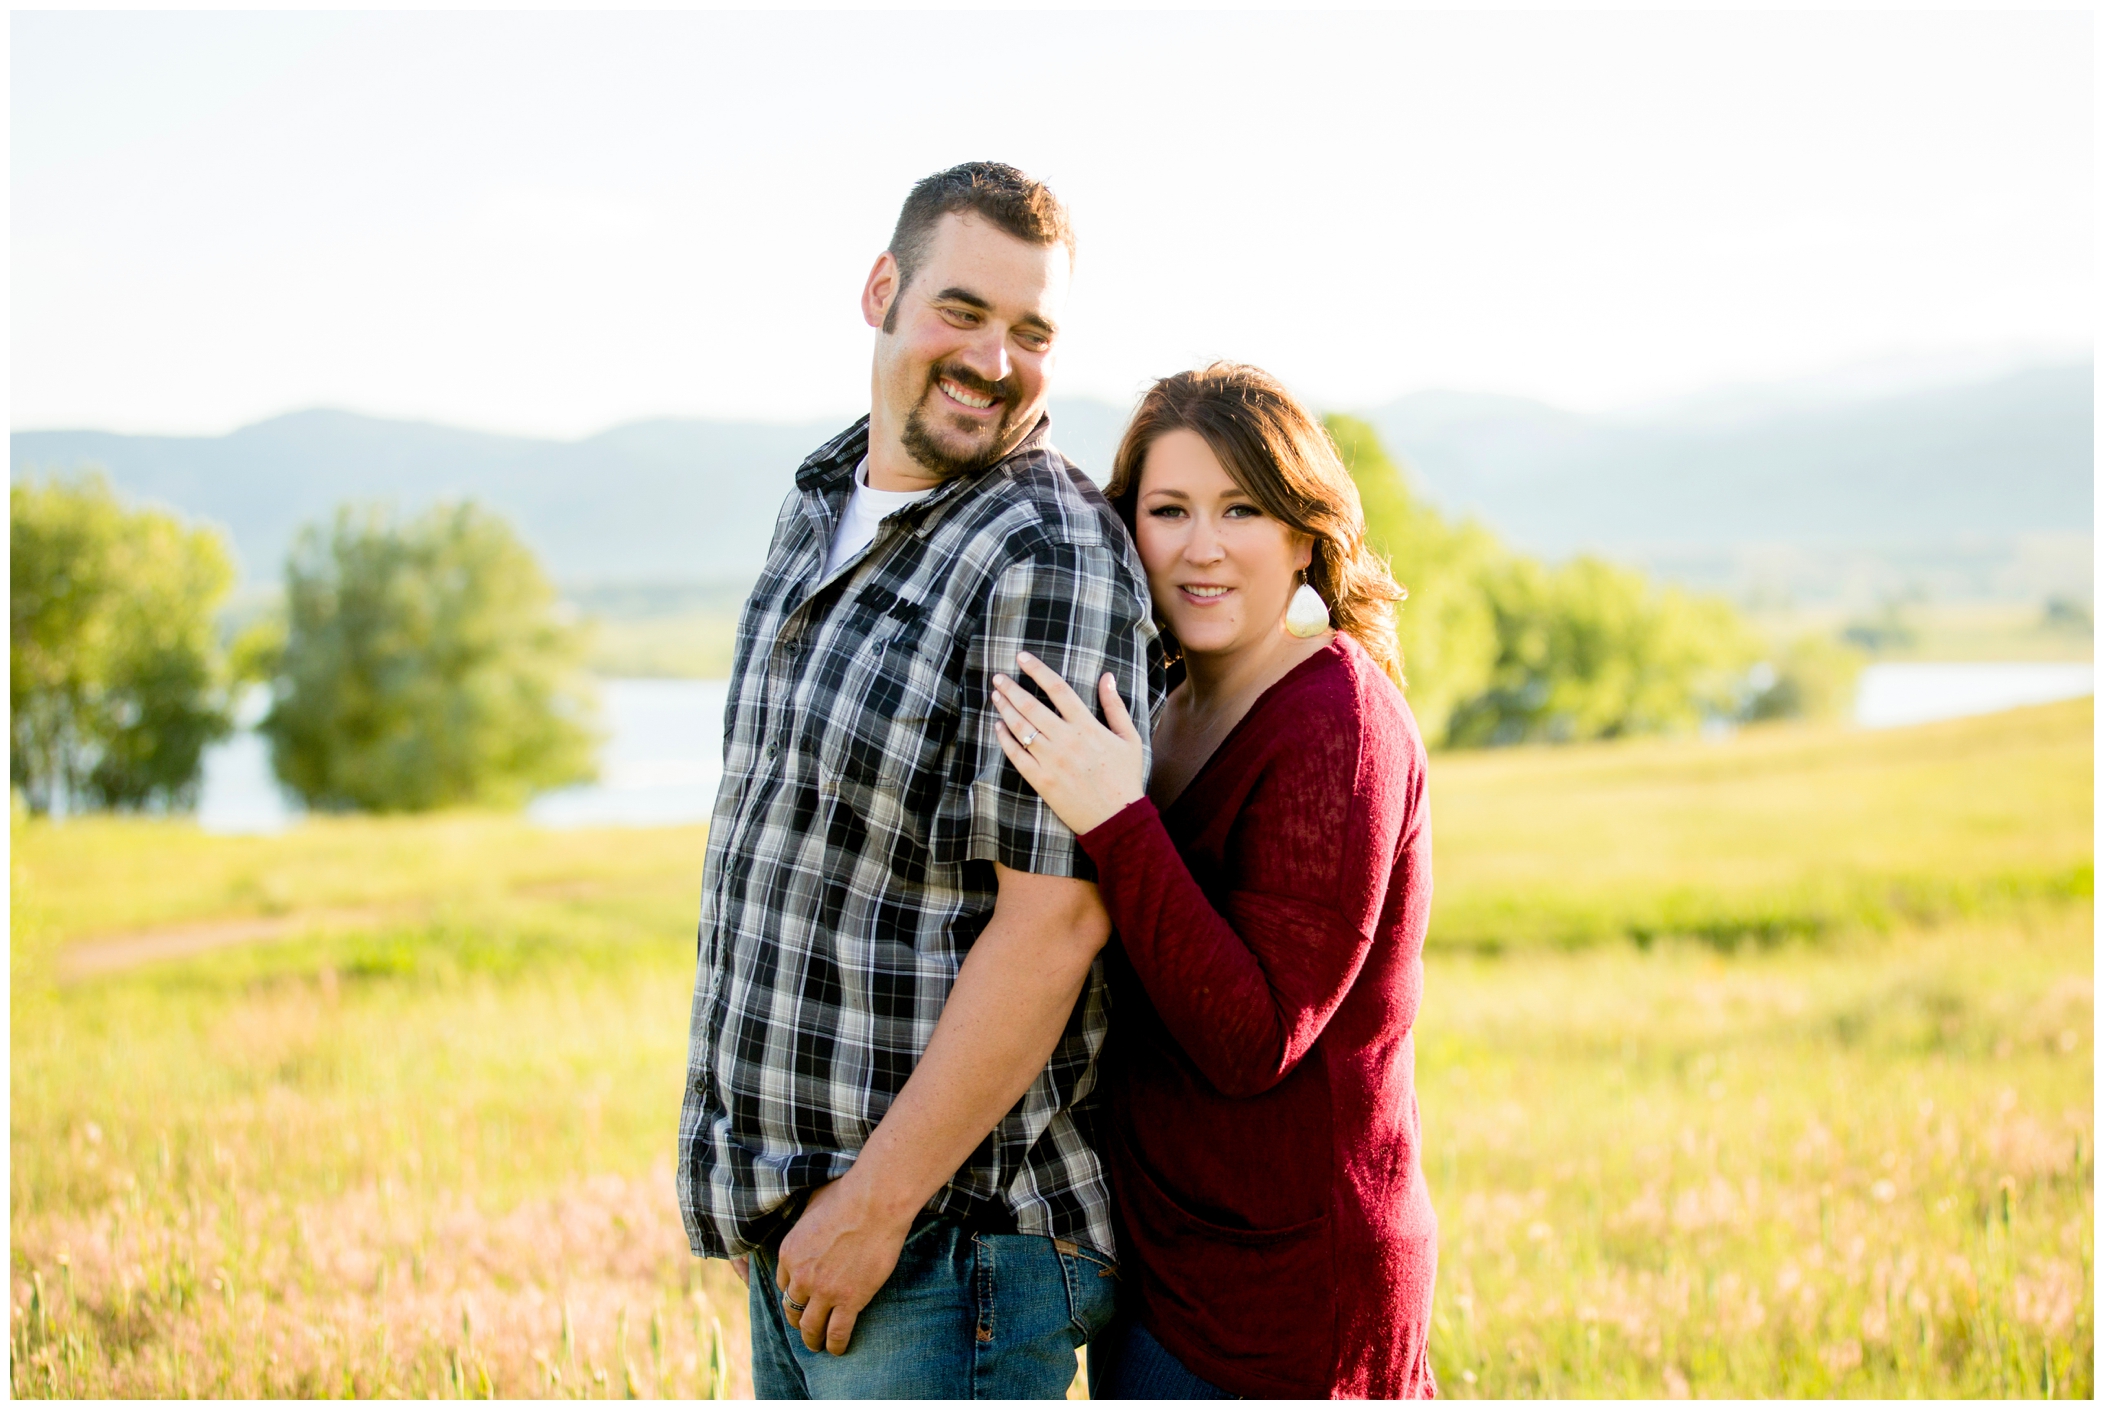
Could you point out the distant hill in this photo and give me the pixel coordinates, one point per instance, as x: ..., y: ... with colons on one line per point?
x: 1984, y: 487
x: 1979, y: 490
x: 654, y: 500
x: 2008, y: 456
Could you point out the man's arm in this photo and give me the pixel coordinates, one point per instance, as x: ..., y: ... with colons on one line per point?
x: 1011, y: 1002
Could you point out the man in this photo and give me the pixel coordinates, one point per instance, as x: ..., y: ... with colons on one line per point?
x: 899, y: 1002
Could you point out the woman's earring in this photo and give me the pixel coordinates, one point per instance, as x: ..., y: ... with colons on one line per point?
x: 1307, y: 613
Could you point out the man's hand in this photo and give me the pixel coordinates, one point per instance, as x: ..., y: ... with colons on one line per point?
x: 742, y: 1266
x: 840, y: 1251
x: 1004, y: 1016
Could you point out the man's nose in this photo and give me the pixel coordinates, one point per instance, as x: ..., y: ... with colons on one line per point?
x: 987, y: 355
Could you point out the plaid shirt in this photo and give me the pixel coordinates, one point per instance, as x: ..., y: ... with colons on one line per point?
x: 865, y: 800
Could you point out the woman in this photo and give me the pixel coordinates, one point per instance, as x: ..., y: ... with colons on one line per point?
x: 1270, y: 885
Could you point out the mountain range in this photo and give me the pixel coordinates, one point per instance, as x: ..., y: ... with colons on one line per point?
x: 1983, y: 472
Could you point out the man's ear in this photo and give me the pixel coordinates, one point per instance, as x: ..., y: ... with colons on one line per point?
x: 880, y: 290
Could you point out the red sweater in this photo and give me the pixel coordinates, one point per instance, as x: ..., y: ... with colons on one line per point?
x: 1264, y: 1137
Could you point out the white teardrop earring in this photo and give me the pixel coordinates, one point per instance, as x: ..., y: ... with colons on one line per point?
x: 1307, y: 613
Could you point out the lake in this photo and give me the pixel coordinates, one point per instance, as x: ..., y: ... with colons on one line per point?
x: 663, y: 756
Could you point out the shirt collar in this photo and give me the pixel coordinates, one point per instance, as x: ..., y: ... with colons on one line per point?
x: 832, y: 465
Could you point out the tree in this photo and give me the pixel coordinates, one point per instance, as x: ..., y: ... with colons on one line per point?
x: 116, y: 682
x: 424, y: 665
x: 1500, y: 648
x: 1444, y: 628
x: 1812, y: 678
x: 1589, y: 650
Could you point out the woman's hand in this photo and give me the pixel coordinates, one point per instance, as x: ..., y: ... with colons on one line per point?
x: 1085, y: 773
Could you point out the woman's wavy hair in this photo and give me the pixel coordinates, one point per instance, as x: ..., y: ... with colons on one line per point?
x: 1282, y: 458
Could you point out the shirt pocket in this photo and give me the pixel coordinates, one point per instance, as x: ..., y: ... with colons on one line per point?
x: 894, y: 719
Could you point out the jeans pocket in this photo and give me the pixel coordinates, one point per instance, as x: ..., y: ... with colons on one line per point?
x: 1092, y: 1287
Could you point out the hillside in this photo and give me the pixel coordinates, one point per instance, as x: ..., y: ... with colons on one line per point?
x: 1983, y: 489
x: 654, y: 500
x: 1977, y: 489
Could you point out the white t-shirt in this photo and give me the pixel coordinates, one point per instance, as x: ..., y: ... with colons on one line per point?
x: 866, y: 508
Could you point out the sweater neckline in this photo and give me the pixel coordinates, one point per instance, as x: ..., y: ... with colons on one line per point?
x: 1337, y: 649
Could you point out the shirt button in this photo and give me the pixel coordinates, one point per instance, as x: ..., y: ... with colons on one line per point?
x: 771, y: 750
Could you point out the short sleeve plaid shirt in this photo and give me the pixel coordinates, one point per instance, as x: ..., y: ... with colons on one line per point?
x: 865, y: 800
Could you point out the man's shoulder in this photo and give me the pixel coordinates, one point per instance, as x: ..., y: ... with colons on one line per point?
x: 1052, y: 503
x: 835, y: 458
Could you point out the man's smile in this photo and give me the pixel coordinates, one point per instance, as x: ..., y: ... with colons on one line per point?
x: 963, y: 396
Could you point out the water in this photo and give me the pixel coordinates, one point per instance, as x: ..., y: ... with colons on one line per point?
x: 1915, y: 692
x: 663, y: 756
x: 661, y: 762
x: 662, y: 759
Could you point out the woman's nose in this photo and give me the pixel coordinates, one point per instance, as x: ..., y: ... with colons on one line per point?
x: 1203, y: 546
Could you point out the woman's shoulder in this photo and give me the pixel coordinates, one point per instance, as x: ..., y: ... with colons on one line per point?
x: 1341, y: 690
x: 1339, y: 751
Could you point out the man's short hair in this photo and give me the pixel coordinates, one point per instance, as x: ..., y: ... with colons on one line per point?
x: 993, y: 191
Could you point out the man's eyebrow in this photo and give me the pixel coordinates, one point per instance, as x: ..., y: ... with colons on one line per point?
x: 957, y: 294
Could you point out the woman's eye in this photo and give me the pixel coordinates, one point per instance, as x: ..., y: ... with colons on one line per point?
x: 1166, y: 511
x: 1244, y: 511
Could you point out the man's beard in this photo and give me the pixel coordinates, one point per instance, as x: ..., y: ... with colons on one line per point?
x: 931, y: 455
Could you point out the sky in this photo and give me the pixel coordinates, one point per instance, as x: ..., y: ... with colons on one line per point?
x: 550, y: 224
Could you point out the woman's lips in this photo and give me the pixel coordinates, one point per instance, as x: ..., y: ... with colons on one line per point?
x: 1203, y: 594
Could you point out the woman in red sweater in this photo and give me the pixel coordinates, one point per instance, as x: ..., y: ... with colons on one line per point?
x: 1269, y: 884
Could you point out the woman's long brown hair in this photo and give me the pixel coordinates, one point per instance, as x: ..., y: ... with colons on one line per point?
x: 1282, y: 458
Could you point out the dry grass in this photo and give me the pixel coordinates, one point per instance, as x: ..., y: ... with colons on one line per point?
x: 379, y: 1293
x: 1864, y: 1171
x: 1777, y: 834
x: 427, y: 1152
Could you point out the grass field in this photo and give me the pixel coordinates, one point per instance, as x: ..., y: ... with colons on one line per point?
x: 678, y: 638
x: 1945, y: 631
x: 1755, y: 1067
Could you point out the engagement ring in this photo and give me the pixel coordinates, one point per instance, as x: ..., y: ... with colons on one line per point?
x: 1027, y: 740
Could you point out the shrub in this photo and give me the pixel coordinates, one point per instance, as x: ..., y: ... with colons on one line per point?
x: 116, y: 682
x: 1502, y: 649
x: 424, y: 665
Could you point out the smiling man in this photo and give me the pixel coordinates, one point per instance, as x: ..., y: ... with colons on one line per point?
x: 899, y: 1000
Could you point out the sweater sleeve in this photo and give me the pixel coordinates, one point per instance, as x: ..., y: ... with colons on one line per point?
x: 1247, y: 991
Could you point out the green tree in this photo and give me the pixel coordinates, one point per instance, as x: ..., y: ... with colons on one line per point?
x: 116, y: 682
x: 1589, y: 650
x: 424, y: 665
x: 1500, y: 648
x: 1812, y: 678
x: 1445, y: 627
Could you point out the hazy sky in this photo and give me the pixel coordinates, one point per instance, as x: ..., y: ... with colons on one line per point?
x: 554, y: 223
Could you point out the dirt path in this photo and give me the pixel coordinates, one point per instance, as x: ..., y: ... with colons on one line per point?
x: 85, y: 959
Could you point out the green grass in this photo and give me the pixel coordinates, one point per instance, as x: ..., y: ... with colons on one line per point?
x: 1945, y: 631
x: 1862, y: 1171
x: 420, y: 1142
x: 695, y: 645
x: 1775, y: 834
x: 426, y: 1154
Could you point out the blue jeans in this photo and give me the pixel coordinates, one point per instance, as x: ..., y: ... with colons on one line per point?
x: 964, y: 1316
x: 1127, y: 1363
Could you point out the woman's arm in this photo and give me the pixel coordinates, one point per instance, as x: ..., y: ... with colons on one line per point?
x: 1246, y: 993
